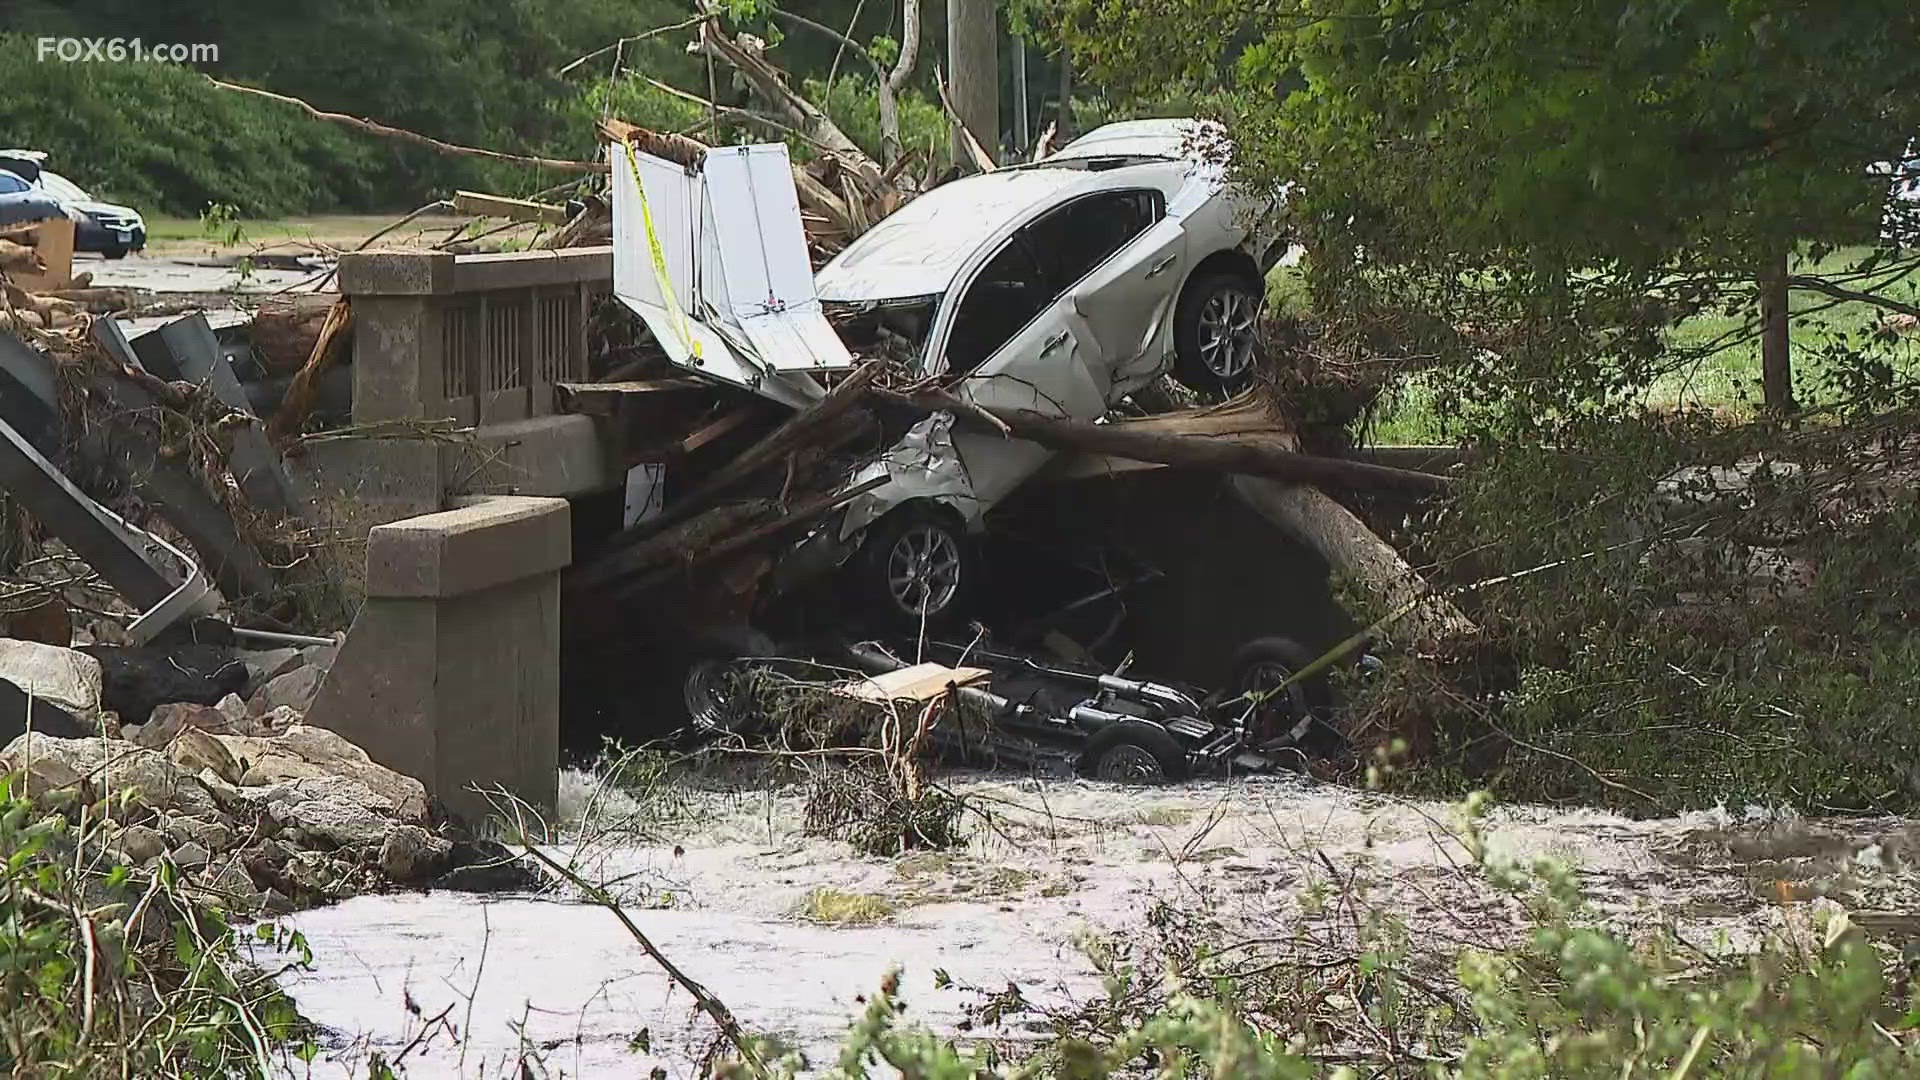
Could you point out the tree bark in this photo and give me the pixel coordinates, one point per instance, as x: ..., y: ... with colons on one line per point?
x: 896, y: 80
x: 1776, y: 338
x: 1224, y: 453
x: 1358, y: 555
x: 973, y: 72
x: 1063, y: 124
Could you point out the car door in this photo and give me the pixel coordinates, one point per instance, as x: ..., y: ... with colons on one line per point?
x: 1017, y: 340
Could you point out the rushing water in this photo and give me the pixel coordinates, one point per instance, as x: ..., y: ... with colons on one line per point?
x: 731, y: 891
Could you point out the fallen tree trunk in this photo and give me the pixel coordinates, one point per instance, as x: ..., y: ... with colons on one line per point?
x: 1232, y: 454
x: 1357, y: 554
x: 285, y: 329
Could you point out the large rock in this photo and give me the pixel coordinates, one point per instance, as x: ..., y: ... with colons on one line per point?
x: 64, y: 678
x: 332, y: 812
x: 112, y: 768
x: 174, y: 717
x: 295, y: 690
x: 194, y: 750
x: 411, y: 853
x: 268, y: 664
x: 303, y: 752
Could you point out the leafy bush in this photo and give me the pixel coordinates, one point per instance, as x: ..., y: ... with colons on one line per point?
x: 105, y: 970
x: 157, y: 136
x: 1720, y: 614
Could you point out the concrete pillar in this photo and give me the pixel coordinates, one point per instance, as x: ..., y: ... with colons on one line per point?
x: 451, y: 671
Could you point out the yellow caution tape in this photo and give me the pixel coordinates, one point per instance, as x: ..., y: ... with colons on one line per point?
x: 677, y: 316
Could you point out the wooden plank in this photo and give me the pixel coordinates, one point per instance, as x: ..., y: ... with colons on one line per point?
x: 715, y: 430
x: 53, y: 242
x: 919, y: 683
x: 481, y: 204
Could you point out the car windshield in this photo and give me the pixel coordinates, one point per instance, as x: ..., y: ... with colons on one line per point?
x: 895, y: 330
x: 10, y: 184
x: 62, y: 188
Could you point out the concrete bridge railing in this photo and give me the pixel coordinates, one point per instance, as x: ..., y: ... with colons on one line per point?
x: 477, y: 338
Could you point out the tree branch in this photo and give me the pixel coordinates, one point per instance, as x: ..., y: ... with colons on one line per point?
x: 374, y: 128
x: 1822, y: 285
x: 847, y: 42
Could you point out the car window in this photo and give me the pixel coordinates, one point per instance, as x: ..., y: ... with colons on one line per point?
x: 1008, y: 292
x: 62, y: 188
x: 1039, y: 263
x: 9, y: 184
x: 1087, y: 231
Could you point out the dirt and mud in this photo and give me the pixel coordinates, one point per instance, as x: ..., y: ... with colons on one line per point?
x: 790, y: 930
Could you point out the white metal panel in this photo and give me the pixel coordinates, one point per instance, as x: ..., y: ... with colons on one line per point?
x: 764, y: 280
x: 672, y: 202
x: 757, y: 221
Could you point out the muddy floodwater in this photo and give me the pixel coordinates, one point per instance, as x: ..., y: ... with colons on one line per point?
x: 790, y: 930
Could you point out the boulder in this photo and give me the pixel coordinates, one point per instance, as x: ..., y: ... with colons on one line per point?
x: 411, y: 853
x: 65, y: 678
x: 194, y: 750
x: 268, y: 664
x: 19, y: 712
x: 45, y: 777
x: 191, y: 856
x: 135, y: 680
x: 138, y: 843
x: 295, y: 689
x: 174, y: 717
x: 210, y: 833
x: 305, y: 752
x: 233, y: 707
x: 232, y: 887
x: 114, y: 768
x: 331, y: 811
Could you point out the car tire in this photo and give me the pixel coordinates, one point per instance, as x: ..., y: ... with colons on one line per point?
x: 676, y: 691
x: 915, y: 569
x: 1215, y: 332
x: 1265, y: 663
x: 113, y: 253
x: 1134, y: 752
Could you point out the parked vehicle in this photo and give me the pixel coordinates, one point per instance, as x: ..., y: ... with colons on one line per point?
x: 21, y: 201
x: 107, y: 228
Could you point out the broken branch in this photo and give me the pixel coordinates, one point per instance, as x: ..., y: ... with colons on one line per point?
x: 1221, y: 454
x: 375, y: 128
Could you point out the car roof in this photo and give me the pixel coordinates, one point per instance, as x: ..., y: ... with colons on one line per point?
x: 1171, y: 137
x: 920, y: 248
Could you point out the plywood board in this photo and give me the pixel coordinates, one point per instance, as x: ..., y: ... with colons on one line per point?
x: 920, y: 682
x: 53, y: 240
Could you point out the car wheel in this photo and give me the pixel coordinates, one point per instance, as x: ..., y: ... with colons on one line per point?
x: 1216, y: 332
x: 691, y: 688
x: 1134, y: 753
x: 915, y: 568
x: 1265, y: 666
x: 114, y: 253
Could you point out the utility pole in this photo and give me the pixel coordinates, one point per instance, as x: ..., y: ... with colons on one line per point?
x: 973, y: 73
x: 1022, y: 133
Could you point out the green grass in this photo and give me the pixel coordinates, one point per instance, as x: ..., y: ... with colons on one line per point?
x: 339, y: 230
x: 1728, y: 381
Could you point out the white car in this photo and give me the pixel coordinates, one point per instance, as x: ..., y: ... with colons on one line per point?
x: 1059, y: 287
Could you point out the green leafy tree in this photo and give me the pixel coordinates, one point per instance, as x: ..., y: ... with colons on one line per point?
x: 1533, y: 190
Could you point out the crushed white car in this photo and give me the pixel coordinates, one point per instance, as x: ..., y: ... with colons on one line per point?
x: 1059, y: 287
